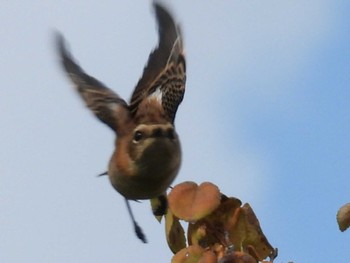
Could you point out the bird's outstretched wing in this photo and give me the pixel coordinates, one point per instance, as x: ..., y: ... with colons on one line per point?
x: 101, y: 100
x: 165, y: 73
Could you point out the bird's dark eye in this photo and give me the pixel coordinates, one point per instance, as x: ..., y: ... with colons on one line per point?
x: 138, y: 136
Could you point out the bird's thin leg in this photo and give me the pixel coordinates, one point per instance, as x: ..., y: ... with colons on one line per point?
x: 138, y: 229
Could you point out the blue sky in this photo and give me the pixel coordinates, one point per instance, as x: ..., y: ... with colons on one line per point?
x: 265, y: 117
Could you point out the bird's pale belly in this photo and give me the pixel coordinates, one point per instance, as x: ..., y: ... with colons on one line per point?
x: 148, y: 175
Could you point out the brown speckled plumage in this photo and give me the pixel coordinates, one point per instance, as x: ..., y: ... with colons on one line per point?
x: 147, y: 156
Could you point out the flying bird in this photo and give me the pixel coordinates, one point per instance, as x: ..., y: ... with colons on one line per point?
x: 147, y: 153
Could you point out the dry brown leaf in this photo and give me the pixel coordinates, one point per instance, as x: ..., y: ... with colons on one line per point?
x: 191, y: 202
x: 255, y: 237
x: 343, y: 217
x: 175, y: 234
x: 236, y: 227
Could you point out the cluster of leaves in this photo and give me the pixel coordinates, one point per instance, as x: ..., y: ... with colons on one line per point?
x: 219, y: 228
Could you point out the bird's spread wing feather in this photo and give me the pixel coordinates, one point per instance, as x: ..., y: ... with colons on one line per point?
x: 165, y: 73
x: 98, y: 98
